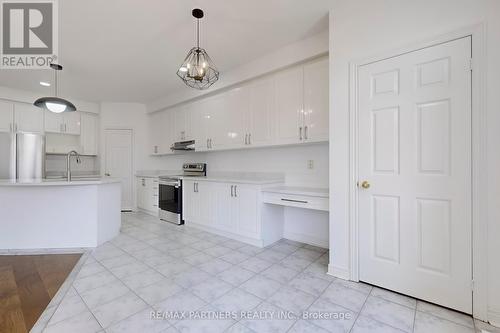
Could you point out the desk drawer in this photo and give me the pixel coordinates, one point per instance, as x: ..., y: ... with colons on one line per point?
x: 299, y: 201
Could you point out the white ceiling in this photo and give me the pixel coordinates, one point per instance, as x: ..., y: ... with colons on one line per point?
x: 129, y: 50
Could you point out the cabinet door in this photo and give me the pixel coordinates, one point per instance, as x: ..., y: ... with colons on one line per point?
x: 205, y: 201
x: 261, y: 117
x: 235, y: 113
x: 141, y: 190
x: 217, y: 120
x: 89, y: 133
x: 53, y: 122
x: 190, y: 206
x: 223, y: 207
x: 289, y: 105
x: 6, y: 116
x: 182, y: 123
x: 72, y: 122
x: 200, y: 116
x: 28, y: 118
x: 246, y: 210
x: 316, y: 101
x: 160, y: 133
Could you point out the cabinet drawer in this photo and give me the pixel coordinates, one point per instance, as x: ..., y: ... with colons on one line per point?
x: 299, y: 201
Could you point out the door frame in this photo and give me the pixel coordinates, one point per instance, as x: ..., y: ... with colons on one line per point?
x: 479, y: 284
x: 103, y: 164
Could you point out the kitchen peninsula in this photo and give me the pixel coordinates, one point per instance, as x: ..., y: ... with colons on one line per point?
x: 56, y: 214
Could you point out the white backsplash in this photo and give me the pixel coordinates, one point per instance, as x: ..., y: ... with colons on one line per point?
x: 56, y: 164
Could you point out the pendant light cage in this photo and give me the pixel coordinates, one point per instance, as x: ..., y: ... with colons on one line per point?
x: 198, y: 70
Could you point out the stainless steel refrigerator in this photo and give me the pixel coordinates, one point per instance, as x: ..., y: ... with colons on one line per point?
x: 22, y: 156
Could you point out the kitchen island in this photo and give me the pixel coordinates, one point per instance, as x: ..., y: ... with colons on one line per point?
x: 59, y: 214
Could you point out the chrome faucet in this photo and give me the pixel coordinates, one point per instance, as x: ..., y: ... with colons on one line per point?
x: 68, y: 163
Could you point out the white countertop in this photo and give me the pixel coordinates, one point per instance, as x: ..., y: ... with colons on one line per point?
x: 254, y: 178
x: 58, y: 182
x: 295, y: 190
x: 157, y: 173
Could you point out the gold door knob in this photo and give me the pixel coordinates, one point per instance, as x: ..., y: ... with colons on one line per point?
x: 365, y: 184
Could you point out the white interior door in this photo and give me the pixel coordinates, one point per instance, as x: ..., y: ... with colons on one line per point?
x: 415, y: 151
x: 118, y: 162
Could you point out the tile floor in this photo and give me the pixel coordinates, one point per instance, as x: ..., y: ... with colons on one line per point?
x: 187, y: 276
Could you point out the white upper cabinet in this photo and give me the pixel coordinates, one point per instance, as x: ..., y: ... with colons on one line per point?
x: 161, y: 133
x: 200, y: 121
x: 289, y: 106
x: 234, y: 114
x: 181, y: 117
x: 316, y: 101
x: 260, y: 118
x: 216, y: 122
x: 28, y: 118
x: 53, y: 122
x: 64, y: 123
x: 89, y: 133
x: 6, y: 116
x: 72, y: 123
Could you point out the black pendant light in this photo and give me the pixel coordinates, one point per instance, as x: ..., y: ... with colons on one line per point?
x: 198, y: 70
x: 54, y: 103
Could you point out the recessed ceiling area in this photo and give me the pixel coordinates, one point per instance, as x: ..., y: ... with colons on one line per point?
x: 130, y: 50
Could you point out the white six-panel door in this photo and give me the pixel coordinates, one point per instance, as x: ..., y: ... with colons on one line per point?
x: 118, y: 161
x: 414, y: 153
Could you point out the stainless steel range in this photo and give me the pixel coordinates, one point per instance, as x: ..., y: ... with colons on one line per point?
x: 170, y: 192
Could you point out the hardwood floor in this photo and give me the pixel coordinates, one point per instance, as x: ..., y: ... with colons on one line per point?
x: 27, y: 284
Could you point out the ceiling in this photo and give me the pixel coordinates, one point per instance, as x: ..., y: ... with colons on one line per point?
x: 129, y: 50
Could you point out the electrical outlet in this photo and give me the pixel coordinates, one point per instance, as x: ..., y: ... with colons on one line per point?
x: 310, y: 164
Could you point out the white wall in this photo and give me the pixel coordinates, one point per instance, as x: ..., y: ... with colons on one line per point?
x: 291, y: 160
x: 362, y: 28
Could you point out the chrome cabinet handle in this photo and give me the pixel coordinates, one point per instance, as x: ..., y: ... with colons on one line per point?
x: 305, y: 133
x: 207, y: 144
x: 246, y: 139
x: 235, y: 191
x: 232, y: 187
x: 210, y: 140
x: 249, y: 138
x: 300, y: 133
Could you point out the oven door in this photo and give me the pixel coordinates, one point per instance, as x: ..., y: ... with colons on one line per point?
x: 170, y: 201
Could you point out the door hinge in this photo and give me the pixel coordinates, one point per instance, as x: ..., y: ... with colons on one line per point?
x: 470, y: 64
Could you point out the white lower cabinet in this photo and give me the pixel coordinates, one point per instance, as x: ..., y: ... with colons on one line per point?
x: 147, y: 195
x: 232, y: 210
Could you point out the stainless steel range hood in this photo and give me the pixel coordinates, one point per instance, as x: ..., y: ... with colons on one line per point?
x: 183, y: 145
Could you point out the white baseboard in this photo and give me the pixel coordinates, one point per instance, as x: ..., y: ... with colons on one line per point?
x: 494, y: 317
x: 339, y: 272
x: 311, y: 240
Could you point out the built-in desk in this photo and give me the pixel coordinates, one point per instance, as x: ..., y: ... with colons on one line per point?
x: 299, y: 197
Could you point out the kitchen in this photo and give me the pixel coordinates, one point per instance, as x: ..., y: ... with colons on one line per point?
x: 171, y: 167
